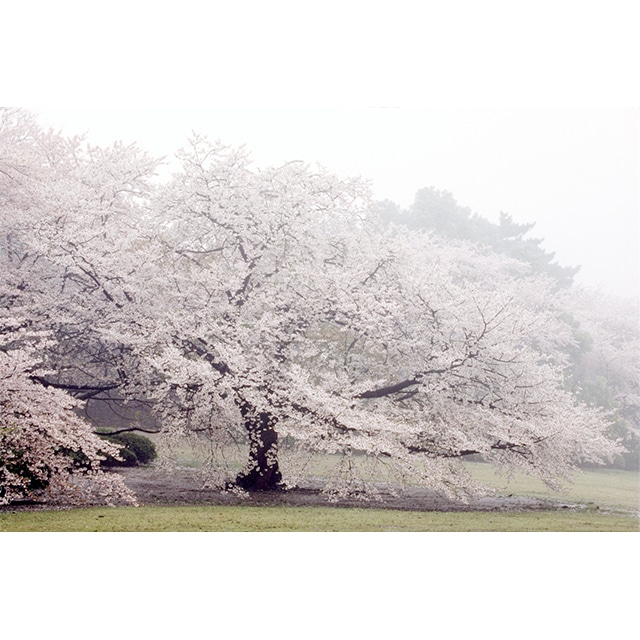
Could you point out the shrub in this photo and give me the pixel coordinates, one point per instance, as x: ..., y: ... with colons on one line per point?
x: 134, y: 450
x: 18, y: 478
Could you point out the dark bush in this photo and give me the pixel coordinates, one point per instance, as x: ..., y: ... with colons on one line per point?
x: 16, y: 465
x: 134, y: 449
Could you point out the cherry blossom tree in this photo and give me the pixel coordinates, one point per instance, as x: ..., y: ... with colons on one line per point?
x: 271, y: 307
x: 72, y: 220
x: 606, y: 361
x: 294, y: 313
x: 46, y: 449
x: 52, y: 195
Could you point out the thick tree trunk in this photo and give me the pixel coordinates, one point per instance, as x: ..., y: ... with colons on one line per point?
x: 264, y: 472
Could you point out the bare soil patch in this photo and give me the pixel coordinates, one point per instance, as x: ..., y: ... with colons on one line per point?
x: 183, y: 486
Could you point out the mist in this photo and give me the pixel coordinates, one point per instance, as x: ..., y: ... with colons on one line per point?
x: 572, y: 172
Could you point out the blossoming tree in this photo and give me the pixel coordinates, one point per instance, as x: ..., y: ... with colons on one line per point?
x: 52, y: 193
x: 265, y: 307
x: 605, y: 365
x: 293, y: 313
x: 45, y: 448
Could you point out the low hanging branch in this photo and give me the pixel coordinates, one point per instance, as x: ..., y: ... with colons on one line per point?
x: 389, y: 390
x: 82, y: 392
x: 381, y: 392
x: 127, y: 430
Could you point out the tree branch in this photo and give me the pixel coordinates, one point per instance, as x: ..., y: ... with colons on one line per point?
x: 127, y: 430
x: 84, y: 391
x: 386, y: 391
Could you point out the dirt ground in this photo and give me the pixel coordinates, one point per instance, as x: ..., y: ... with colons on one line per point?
x: 184, y: 486
x: 154, y: 486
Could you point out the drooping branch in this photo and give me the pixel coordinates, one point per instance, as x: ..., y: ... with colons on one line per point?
x: 520, y: 449
x: 381, y: 392
x: 83, y: 392
x: 127, y: 430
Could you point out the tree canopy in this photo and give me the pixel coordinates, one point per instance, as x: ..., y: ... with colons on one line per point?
x: 437, y: 211
x: 254, y: 306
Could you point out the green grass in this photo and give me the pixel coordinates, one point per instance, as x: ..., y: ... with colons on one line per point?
x: 608, y: 489
x: 240, y: 518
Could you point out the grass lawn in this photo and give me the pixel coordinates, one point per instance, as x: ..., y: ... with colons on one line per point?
x: 240, y: 518
x: 609, y: 489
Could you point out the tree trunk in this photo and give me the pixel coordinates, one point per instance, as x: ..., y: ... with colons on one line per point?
x: 263, y: 471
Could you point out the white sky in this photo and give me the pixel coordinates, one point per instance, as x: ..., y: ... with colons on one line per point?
x: 574, y: 172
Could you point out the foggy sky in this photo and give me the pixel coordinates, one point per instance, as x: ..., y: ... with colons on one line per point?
x: 574, y: 172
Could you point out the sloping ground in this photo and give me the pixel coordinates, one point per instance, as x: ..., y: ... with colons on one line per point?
x: 184, y: 486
